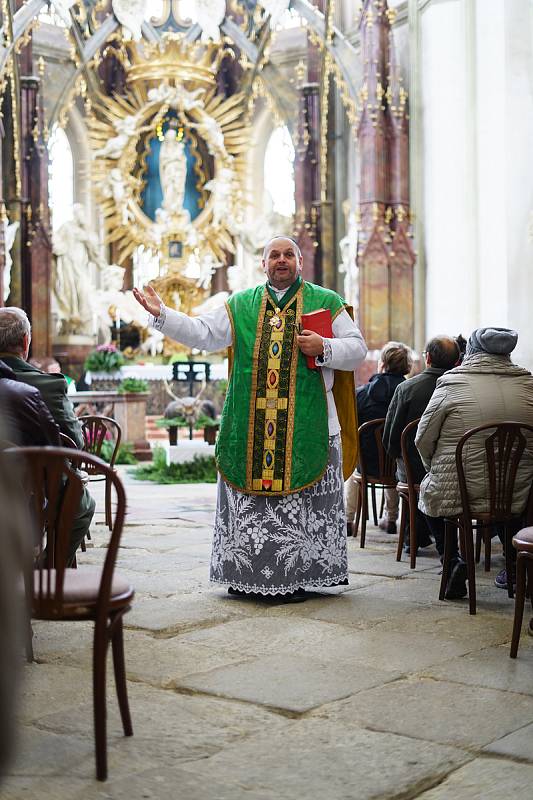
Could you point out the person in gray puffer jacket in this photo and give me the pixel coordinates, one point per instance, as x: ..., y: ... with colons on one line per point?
x: 486, y: 387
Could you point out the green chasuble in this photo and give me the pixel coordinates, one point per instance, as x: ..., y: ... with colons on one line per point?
x: 274, y: 436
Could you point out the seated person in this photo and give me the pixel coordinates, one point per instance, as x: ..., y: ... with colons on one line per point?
x: 409, y: 402
x: 373, y: 399
x: 28, y: 423
x: 486, y: 387
x: 15, y: 338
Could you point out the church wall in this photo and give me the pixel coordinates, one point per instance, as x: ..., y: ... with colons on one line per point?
x: 476, y: 124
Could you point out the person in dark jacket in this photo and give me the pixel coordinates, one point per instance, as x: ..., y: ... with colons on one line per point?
x: 373, y: 399
x: 15, y: 338
x: 26, y: 418
x: 408, y: 403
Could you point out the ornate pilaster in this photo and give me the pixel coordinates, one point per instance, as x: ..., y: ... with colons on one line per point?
x: 307, y: 180
x: 36, y: 251
x: 385, y: 253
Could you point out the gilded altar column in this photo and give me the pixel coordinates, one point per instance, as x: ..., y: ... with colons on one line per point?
x: 385, y: 254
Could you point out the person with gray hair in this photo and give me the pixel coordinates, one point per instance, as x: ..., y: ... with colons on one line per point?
x: 486, y: 387
x: 15, y: 340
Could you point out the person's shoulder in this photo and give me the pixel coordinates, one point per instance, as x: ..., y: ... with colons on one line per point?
x: 245, y: 295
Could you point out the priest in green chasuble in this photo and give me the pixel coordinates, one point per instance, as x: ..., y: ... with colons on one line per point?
x: 288, y: 431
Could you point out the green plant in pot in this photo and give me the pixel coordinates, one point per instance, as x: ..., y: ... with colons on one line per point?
x: 106, y: 358
x: 133, y: 386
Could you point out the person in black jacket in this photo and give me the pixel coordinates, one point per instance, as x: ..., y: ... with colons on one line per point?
x: 408, y: 403
x: 27, y: 420
x: 373, y: 399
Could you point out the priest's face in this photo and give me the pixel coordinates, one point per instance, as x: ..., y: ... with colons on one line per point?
x: 282, y: 262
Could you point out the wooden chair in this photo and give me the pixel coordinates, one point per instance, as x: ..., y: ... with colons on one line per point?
x: 523, y: 544
x: 408, y: 491
x: 66, y: 441
x: 95, y: 430
x: 87, y: 593
x: 502, y: 452
x: 385, y: 480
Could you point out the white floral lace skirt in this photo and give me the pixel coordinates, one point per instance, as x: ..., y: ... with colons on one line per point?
x: 276, y: 545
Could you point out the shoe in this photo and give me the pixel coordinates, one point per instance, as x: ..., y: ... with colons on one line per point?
x: 299, y: 596
x: 388, y: 527
x: 501, y: 580
x: 530, y: 627
x: 349, y: 529
x: 456, y: 588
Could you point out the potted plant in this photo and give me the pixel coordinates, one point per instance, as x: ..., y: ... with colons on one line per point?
x: 133, y: 386
x: 210, y: 427
x: 106, y: 358
x: 172, y: 424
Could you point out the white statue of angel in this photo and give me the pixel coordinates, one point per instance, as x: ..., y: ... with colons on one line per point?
x: 131, y: 15
x: 209, y: 16
x: 275, y: 9
x: 220, y: 187
x: 210, y: 130
x: 62, y: 9
x: 153, y: 344
x: 126, y: 128
x: 176, y: 97
x: 10, y: 231
x: 115, y: 187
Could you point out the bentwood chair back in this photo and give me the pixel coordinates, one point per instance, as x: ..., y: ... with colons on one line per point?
x: 501, y: 447
x: 87, y: 593
x: 385, y: 479
x: 97, y: 430
x: 408, y: 492
x: 523, y: 544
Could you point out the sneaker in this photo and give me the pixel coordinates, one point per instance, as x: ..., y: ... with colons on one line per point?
x: 456, y: 588
x: 387, y: 526
x: 501, y: 579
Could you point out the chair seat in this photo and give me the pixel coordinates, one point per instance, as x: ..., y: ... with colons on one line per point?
x: 524, y: 540
x: 81, y: 587
x: 402, y: 488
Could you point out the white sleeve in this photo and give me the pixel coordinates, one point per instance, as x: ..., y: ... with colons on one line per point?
x: 348, y: 349
x: 209, y: 332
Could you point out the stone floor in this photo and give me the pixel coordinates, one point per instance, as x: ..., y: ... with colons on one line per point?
x: 377, y: 690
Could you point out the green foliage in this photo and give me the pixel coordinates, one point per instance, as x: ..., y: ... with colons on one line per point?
x: 133, y: 385
x: 200, y: 470
x: 204, y: 421
x: 222, y: 385
x: 173, y: 422
x: 124, y: 455
x: 106, y: 358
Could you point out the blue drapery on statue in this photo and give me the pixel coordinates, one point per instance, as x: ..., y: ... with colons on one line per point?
x: 152, y: 193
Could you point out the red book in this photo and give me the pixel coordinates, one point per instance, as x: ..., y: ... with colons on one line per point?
x: 318, y: 322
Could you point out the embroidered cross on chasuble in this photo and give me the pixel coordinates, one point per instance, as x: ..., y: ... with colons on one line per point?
x: 274, y: 437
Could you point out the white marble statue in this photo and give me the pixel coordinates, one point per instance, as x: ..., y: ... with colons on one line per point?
x: 176, y: 97
x: 210, y: 16
x: 153, y: 344
x: 62, y: 9
x: 348, y: 266
x: 172, y: 172
x: 10, y: 231
x: 211, y: 132
x: 77, y: 254
x: 131, y: 15
x: 114, y: 187
x: 126, y: 128
x: 221, y: 187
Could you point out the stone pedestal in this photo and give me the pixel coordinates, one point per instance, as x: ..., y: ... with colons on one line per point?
x: 129, y: 410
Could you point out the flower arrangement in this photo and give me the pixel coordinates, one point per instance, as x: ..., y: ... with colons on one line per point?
x: 106, y: 358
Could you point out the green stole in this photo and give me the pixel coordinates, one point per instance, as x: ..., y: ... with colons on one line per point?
x: 274, y: 437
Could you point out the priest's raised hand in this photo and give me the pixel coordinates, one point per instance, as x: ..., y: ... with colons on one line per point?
x: 149, y: 299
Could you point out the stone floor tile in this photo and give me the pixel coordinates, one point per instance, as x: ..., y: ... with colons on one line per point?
x: 485, y: 779
x: 438, y: 711
x: 518, y: 745
x: 265, y: 636
x: 294, y: 683
x: 376, y: 562
x: 180, y: 614
x: 317, y: 759
x: 491, y: 668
